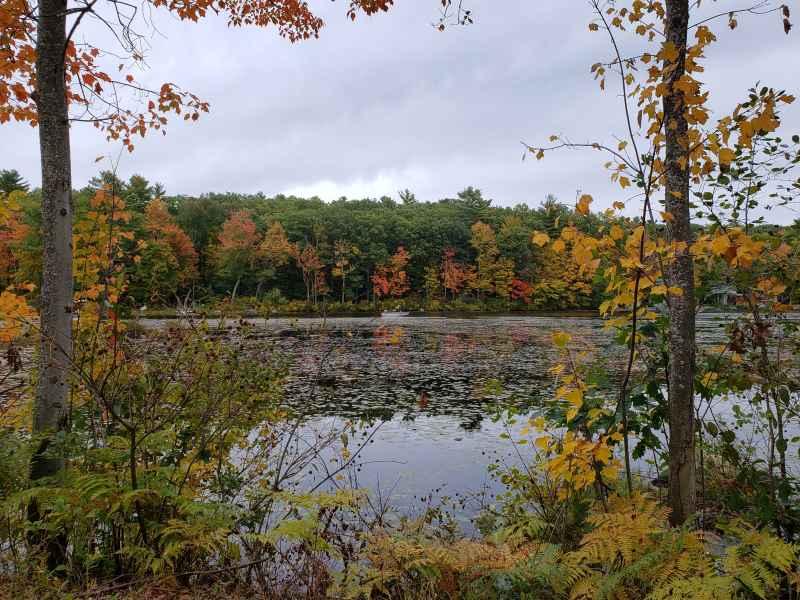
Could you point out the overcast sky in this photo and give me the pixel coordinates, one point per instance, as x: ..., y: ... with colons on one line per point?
x: 389, y: 103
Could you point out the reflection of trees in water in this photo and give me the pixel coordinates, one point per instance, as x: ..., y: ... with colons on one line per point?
x: 472, y: 423
x: 372, y: 369
x: 390, y: 371
x: 388, y: 343
x: 368, y: 369
x: 452, y: 347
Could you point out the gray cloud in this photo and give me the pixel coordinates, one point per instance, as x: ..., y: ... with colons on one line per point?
x: 389, y: 103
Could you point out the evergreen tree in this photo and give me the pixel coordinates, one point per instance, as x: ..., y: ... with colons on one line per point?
x: 11, y: 180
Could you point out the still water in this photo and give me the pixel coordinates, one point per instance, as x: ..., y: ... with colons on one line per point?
x: 428, y: 387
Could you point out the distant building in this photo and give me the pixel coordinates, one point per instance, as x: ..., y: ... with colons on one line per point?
x: 723, y: 295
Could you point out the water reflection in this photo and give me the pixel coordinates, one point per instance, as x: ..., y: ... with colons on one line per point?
x: 431, y: 383
x: 460, y: 368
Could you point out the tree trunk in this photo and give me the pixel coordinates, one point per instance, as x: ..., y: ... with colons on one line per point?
x: 50, y: 413
x: 680, y: 274
x: 55, y: 350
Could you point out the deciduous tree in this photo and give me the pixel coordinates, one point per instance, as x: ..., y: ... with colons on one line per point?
x: 484, y: 242
x: 49, y: 80
x: 310, y: 265
x: 433, y: 283
x: 238, y: 248
x: 343, y: 255
x: 670, y: 144
x: 162, y: 229
x: 453, y: 273
x: 391, y: 279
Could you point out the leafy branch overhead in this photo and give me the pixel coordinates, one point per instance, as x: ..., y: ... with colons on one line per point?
x: 102, y: 88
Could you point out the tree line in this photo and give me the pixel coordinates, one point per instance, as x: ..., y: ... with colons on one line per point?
x: 349, y: 251
x: 300, y: 253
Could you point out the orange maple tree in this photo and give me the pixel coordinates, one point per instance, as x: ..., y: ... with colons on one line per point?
x: 161, y: 227
x: 454, y: 274
x: 238, y: 248
x: 391, y: 279
x: 104, y: 91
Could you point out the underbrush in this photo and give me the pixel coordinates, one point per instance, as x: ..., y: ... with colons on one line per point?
x: 186, y: 478
x: 628, y: 550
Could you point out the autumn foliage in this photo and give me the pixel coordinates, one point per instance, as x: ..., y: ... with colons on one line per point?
x: 391, y: 279
x: 105, y: 91
x: 163, y: 230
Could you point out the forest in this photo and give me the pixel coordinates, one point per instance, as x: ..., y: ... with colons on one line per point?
x: 301, y: 252
x: 252, y: 397
x: 298, y: 255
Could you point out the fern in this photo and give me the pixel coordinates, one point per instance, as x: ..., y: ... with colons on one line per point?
x: 412, y: 565
x: 718, y: 587
x: 761, y: 562
x: 633, y: 553
x: 629, y: 551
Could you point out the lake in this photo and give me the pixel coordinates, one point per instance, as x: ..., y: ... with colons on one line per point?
x: 427, y: 387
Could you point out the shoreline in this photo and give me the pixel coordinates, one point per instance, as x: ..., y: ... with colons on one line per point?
x: 173, y: 314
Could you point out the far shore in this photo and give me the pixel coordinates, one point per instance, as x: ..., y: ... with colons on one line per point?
x: 173, y: 313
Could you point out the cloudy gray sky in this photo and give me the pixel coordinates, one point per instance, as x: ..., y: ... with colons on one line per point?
x: 388, y: 103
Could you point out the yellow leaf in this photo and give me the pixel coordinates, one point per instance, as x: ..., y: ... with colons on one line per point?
x: 609, y: 472
x: 720, y: 245
x: 771, y: 287
x: 569, y: 233
x: 581, y: 254
x: 15, y: 314
x: 602, y: 454
x: 582, y: 206
x: 559, y: 246
x: 540, y: 238
x: 726, y: 155
x: 668, y: 52
x: 561, y: 339
x: 616, y: 232
x: 575, y: 397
